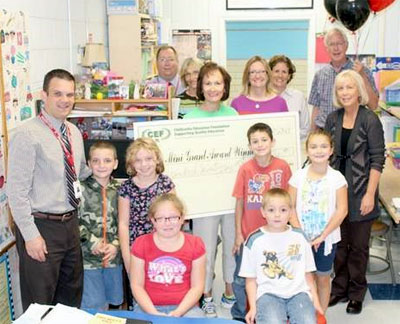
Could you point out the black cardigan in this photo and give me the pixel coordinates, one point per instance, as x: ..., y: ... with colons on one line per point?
x: 365, y: 151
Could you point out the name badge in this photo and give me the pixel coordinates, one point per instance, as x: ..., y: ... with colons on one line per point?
x: 77, y: 189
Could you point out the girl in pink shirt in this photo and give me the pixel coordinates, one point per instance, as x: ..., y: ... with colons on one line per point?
x: 167, y: 269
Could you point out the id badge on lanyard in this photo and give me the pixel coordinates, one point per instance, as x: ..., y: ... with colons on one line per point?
x: 69, y: 155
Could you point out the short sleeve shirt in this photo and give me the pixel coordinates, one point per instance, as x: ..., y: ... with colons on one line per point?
x: 316, y: 202
x: 221, y: 112
x: 321, y: 94
x: 167, y: 274
x: 278, y: 261
x: 245, y: 105
x: 140, y: 200
x: 252, y: 182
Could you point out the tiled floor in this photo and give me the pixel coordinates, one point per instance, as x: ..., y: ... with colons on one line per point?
x: 383, y: 312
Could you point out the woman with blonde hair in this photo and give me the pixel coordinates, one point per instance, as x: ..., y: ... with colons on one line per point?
x: 257, y: 95
x: 189, y: 74
x: 359, y: 154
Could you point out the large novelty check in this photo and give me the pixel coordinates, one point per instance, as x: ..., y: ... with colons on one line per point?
x: 202, y: 156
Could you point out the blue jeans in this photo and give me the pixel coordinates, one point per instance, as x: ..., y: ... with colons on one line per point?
x: 195, y: 311
x: 102, y: 287
x: 272, y: 309
x: 239, y: 308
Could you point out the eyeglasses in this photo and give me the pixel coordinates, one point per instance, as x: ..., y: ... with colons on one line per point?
x: 166, y: 59
x: 171, y: 219
x: 338, y: 44
x: 255, y: 72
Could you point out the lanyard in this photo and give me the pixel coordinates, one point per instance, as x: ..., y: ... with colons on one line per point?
x: 69, y: 155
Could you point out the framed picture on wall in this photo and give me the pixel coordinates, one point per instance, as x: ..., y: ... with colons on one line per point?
x: 268, y: 4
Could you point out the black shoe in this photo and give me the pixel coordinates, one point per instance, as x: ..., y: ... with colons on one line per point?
x: 354, y: 307
x: 333, y: 300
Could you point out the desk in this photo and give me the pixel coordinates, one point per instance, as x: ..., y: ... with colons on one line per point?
x: 395, y: 111
x: 165, y: 319
x: 389, y: 187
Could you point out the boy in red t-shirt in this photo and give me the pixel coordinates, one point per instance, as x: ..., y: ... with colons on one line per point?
x: 254, y: 178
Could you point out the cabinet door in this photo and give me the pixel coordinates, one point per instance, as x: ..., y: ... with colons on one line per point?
x: 125, y: 46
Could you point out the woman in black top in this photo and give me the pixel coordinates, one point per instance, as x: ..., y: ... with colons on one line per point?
x: 189, y: 73
x: 359, y: 154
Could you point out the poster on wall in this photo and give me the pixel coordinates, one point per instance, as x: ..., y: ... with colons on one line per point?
x: 268, y: 4
x: 16, y: 67
x: 6, y: 236
x: 192, y: 43
x: 122, y: 7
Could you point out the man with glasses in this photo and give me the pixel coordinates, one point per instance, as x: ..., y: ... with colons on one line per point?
x: 167, y: 67
x: 321, y: 95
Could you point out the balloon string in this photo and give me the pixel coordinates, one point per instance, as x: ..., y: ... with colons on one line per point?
x: 355, y: 44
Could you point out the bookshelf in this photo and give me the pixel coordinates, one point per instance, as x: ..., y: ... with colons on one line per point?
x: 117, y: 107
x: 133, y: 40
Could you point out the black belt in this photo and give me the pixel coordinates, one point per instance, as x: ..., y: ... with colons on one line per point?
x: 343, y: 157
x: 56, y: 217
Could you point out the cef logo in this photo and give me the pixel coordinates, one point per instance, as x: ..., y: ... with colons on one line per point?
x: 157, y: 134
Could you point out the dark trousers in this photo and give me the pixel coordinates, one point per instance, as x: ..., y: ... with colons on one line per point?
x: 351, y: 260
x: 60, y: 278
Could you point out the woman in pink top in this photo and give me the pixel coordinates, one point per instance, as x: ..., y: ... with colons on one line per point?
x: 257, y: 95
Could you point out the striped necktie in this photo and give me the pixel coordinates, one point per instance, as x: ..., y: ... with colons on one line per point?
x: 69, y: 173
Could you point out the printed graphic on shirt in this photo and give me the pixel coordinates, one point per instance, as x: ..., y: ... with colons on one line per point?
x: 294, y: 252
x: 166, y: 270
x: 259, y: 184
x: 272, y: 268
x: 314, y: 214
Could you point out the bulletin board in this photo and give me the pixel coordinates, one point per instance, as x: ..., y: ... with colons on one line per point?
x: 16, y: 106
x: 16, y: 100
x: 192, y: 43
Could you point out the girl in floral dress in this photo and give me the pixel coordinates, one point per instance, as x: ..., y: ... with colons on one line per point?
x: 145, y: 166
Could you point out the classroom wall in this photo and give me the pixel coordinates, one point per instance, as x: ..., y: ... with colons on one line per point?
x: 245, y: 39
x: 378, y: 36
x: 57, y: 28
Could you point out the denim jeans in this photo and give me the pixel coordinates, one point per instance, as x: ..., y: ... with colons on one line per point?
x: 195, y: 311
x: 272, y: 309
x: 102, y: 287
x: 239, y: 308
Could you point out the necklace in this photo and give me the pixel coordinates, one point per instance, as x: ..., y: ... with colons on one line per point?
x: 257, y: 106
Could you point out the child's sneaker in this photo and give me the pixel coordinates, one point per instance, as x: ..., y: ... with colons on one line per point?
x: 320, y: 318
x: 227, y: 301
x: 208, y: 307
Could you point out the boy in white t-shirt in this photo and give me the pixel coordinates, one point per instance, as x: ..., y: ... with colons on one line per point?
x: 278, y: 264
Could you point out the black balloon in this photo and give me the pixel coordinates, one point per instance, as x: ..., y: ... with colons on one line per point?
x: 330, y: 6
x: 352, y: 13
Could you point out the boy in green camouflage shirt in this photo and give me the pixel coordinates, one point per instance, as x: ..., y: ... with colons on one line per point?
x: 98, y: 219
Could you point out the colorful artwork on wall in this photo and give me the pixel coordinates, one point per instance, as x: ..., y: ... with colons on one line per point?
x: 16, y: 66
